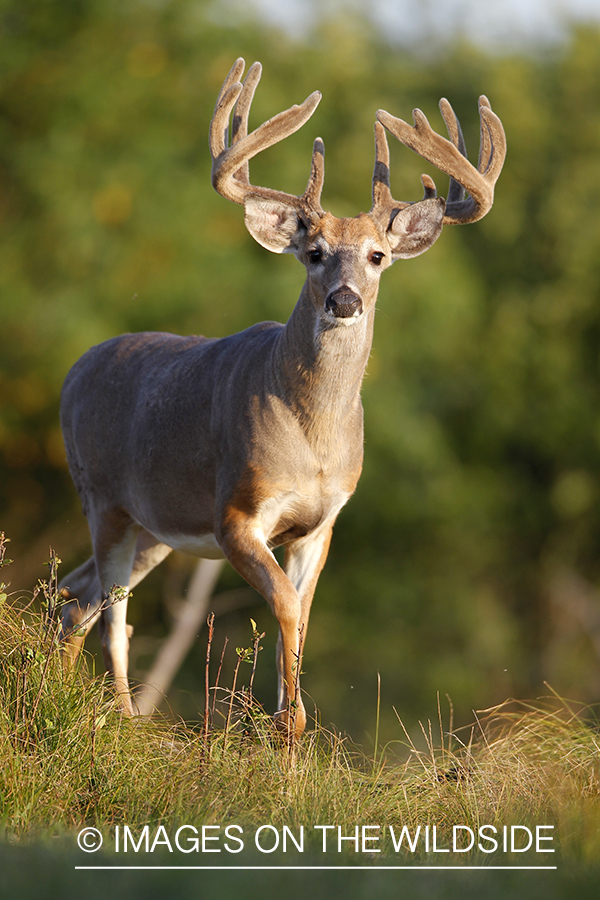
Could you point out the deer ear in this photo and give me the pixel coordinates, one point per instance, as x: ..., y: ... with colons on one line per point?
x: 273, y: 223
x: 415, y: 228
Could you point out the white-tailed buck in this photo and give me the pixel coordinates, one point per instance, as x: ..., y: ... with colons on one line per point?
x: 236, y: 446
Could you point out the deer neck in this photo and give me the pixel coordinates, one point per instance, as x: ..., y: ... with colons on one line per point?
x: 318, y: 368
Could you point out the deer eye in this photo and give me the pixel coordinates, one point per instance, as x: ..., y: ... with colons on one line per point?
x: 376, y: 258
x: 314, y: 256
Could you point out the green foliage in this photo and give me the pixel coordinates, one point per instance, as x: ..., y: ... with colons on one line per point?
x: 70, y: 760
x: 481, y: 482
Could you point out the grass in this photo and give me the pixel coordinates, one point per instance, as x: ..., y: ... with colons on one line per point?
x: 70, y: 760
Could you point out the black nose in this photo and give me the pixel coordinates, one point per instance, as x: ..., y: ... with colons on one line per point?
x: 344, y: 303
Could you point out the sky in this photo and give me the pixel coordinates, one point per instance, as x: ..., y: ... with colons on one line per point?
x: 490, y: 24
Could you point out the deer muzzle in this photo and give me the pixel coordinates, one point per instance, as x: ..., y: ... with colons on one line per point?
x: 343, y: 303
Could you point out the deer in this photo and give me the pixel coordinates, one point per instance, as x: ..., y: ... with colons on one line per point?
x: 233, y: 447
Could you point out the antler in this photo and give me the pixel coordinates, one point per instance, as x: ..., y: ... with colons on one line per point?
x: 383, y: 202
x: 230, y: 172
x: 449, y: 156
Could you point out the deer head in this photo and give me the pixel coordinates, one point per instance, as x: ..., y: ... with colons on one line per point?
x: 344, y: 257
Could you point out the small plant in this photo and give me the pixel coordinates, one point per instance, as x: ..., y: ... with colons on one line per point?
x: 243, y: 709
x: 3, y: 562
x: 35, y: 692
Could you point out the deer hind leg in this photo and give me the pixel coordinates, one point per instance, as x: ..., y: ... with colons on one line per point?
x: 114, y: 631
x: 114, y: 538
x: 82, y: 596
x: 82, y: 593
x: 120, y: 547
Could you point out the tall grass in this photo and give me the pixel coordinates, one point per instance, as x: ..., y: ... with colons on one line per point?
x: 69, y: 758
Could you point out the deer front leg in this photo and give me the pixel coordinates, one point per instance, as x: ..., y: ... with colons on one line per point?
x: 304, y: 560
x: 244, y: 545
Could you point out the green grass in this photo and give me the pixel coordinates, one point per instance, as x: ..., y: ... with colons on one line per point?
x: 70, y: 760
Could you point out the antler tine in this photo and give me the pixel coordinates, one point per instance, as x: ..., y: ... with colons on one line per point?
x: 449, y: 157
x: 239, y: 128
x: 493, y: 141
x: 456, y: 191
x: 383, y: 202
x: 485, y: 144
x: 382, y: 195
x: 312, y: 195
x: 230, y: 175
x: 218, y: 137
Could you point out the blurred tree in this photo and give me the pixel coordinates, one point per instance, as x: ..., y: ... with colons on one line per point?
x: 479, y: 499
